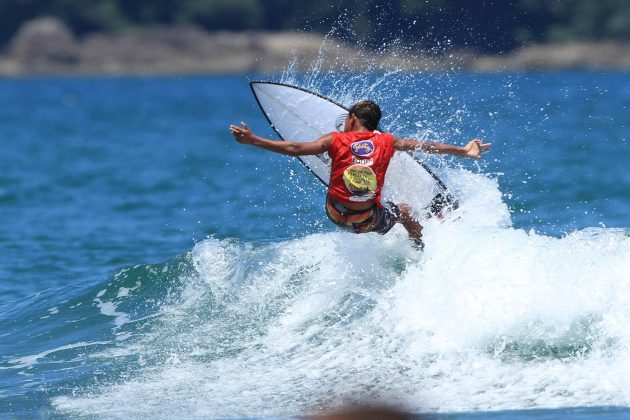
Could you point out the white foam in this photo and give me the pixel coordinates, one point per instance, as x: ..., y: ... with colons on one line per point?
x: 125, y: 291
x: 108, y: 308
x: 470, y: 324
x: 27, y: 361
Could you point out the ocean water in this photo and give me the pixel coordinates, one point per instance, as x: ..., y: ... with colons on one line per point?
x: 152, y: 267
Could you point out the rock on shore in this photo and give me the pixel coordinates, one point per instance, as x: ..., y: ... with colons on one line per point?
x: 47, y: 46
x: 571, y: 55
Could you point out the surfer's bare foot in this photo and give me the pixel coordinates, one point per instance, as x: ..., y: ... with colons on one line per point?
x: 418, y: 244
x: 414, y: 228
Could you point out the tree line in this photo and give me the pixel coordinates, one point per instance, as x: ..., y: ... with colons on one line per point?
x: 486, y: 25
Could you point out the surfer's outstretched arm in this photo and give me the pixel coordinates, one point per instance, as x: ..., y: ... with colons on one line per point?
x: 473, y: 149
x: 292, y: 148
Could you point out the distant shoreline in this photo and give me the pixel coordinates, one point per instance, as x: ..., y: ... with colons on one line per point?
x: 47, y: 47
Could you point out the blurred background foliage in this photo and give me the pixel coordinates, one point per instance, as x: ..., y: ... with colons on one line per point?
x: 485, y: 25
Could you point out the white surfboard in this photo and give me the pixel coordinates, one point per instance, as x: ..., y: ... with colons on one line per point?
x: 297, y: 114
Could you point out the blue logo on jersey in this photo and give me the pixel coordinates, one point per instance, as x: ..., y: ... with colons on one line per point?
x: 362, y: 148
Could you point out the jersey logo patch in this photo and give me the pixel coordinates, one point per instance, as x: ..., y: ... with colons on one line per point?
x: 363, y: 148
x: 360, y: 180
x: 366, y: 162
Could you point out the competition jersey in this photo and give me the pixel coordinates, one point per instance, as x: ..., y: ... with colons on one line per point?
x: 359, y: 163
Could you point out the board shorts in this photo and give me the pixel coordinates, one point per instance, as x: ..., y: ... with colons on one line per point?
x: 379, y: 219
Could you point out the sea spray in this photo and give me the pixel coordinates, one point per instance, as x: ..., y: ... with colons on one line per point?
x: 487, y: 317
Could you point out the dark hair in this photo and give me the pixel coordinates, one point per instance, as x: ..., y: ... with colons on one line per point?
x: 368, y: 113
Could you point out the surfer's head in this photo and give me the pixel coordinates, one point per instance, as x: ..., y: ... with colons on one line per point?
x: 367, y: 113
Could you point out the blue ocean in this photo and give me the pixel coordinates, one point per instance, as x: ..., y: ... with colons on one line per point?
x: 152, y: 267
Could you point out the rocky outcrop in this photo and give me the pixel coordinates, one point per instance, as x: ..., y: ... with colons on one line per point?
x: 46, y: 42
x: 573, y: 55
x: 189, y: 49
x: 47, y: 46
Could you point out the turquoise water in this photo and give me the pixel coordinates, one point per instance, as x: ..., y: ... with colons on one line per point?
x: 151, y: 266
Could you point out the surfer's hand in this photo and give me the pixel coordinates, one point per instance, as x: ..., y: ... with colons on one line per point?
x: 242, y: 134
x: 475, y: 148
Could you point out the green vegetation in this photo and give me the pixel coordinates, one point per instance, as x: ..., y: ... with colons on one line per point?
x: 487, y: 25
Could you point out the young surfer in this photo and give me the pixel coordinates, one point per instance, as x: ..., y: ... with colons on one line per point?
x: 360, y: 156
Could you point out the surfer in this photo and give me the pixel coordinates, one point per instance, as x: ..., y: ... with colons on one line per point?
x: 360, y: 156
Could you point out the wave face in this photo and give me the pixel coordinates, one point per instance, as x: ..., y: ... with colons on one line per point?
x: 488, y: 317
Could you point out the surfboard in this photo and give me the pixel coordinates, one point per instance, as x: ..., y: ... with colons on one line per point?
x: 299, y: 114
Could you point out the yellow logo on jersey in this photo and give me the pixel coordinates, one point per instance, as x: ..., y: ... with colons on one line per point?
x: 360, y: 179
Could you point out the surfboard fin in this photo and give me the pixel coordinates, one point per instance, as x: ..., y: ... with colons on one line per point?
x: 440, y: 204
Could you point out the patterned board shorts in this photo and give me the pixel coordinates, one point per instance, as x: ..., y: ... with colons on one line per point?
x: 379, y: 219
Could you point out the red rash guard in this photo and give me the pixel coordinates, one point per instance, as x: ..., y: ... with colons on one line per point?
x: 359, y: 162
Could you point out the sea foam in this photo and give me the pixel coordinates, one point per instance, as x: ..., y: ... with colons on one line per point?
x: 487, y: 317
